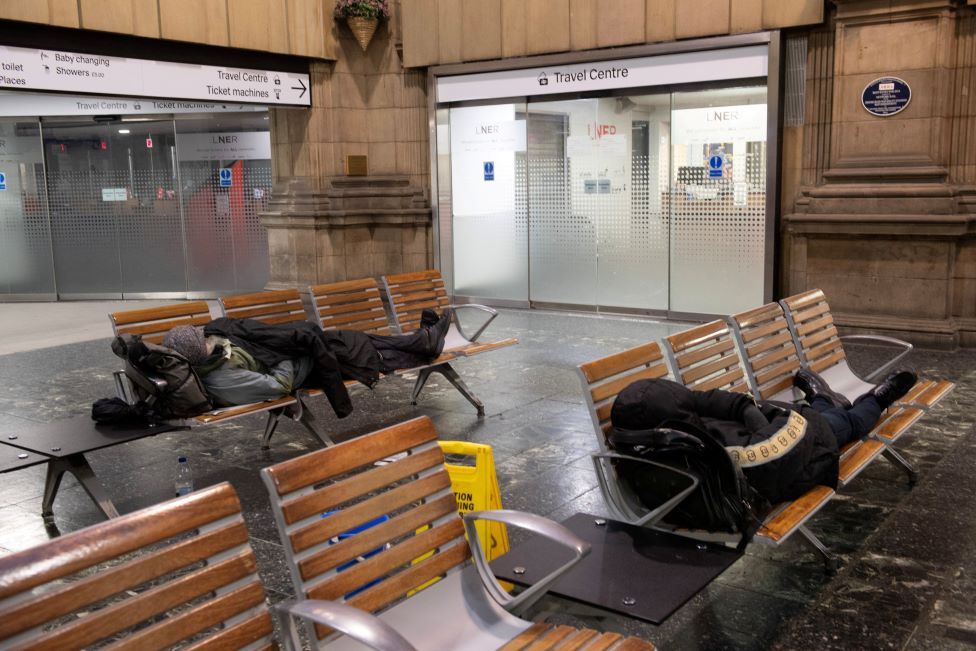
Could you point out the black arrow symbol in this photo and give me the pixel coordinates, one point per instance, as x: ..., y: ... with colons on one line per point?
x: 301, y: 88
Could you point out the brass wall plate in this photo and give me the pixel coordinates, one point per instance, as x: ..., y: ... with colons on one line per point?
x: 357, y: 165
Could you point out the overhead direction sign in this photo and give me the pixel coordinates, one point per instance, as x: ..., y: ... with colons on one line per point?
x: 73, y: 72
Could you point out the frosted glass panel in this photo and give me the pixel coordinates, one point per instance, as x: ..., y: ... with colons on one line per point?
x: 718, y: 200
x: 26, y: 266
x: 562, y: 242
x: 488, y: 176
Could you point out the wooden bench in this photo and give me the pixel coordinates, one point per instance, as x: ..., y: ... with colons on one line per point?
x: 419, y: 578
x: 821, y: 349
x: 771, y: 359
x: 606, y: 377
x: 155, y: 322
x: 177, y: 573
x: 358, y: 304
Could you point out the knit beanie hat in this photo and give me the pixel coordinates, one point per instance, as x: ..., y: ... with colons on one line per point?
x: 187, y: 341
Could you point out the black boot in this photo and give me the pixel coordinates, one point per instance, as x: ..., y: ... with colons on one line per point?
x: 812, y: 385
x: 438, y: 332
x: 428, y: 317
x: 892, y: 388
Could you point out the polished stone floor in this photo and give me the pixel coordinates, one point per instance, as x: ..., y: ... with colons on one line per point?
x: 908, y: 578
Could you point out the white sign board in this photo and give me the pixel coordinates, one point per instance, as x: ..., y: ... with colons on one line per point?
x: 746, y: 123
x: 16, y: 104
x: 73, y: 72
x: 114, y: 194
x: 237, y: 145
x: 681, y: 68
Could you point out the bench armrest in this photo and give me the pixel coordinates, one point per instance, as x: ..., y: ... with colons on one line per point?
x: 530, y: 522
x: 884, y: 368
x: 656, y: 514
x: 360, y: 625
x: 484, y: 308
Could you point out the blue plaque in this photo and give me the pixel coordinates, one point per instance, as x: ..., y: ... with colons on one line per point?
x: 886, y: 96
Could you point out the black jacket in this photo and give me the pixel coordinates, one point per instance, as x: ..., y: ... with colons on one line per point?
x: 337, y: 354
x: 782, y: 456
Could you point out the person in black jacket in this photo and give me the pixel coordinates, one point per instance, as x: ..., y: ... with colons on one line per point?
x: 784, y: 449
x: 244, y: 360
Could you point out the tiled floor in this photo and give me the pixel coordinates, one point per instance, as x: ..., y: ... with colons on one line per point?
x: 909, y: 569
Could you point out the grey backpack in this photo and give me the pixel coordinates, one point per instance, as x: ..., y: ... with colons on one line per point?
x: 162, y: 378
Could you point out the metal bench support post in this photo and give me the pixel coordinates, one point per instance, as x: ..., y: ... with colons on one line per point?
x: 78, y: 466
x: 831, y: 563
x: 901, y: 462
x: 452, y: 376
x: 270, y: 426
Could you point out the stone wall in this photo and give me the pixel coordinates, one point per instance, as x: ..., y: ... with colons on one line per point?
x: 324, y: 226
x: 883, y: 222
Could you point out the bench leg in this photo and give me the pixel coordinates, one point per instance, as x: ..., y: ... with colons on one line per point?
x: 269, y: 427
x: 901, y: 462
x: 78, y: 466
x: 831, y: 562
x: 307, y: 418
x: 452, y: 376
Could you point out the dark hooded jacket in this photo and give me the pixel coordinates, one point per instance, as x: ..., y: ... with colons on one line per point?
x: 336, y: 354
x: 783, y: 449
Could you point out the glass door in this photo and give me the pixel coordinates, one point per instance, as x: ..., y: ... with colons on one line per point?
x: 115, y: 225
x: 718, y: 200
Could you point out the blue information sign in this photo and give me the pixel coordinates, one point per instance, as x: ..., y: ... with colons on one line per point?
x: 3, y: 181
x: 489, y: 171
x: 715, y: 166
x: 886, y: 96
x: 226, y: 179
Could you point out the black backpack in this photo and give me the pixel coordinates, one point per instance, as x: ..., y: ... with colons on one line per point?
x: 723, y: 502
x: 162, y: 378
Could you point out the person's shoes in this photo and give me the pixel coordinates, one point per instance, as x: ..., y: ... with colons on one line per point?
x: 437, y: 333
x: 893, y: 387
x: 428, y: 317
x: 811, y: 385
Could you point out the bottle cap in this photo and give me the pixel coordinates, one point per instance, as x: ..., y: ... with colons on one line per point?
x: 182, y: 460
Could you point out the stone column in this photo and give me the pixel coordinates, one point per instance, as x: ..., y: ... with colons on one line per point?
x: 882, y: 224
x: 324, y: 226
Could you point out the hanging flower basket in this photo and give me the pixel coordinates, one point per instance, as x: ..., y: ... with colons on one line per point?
x: 363, y: 17
x: 363, y: 29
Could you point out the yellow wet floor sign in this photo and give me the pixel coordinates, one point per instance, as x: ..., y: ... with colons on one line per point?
x: 475, y: 488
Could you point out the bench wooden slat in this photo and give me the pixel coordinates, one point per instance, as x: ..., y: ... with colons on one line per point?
x: 643, y: 355
x: 752, y: 332
x: 375, y: 567
x: 179, y: 310
x: 934, y: 391
x: 824, y: 363
x: 804, y: 328
x: 367, y: 511
x: 400, y: 584
x: 284, y: 312
x: 721, y: 365
x: 273, y: 297
x: 61, y: 601
x: 324, y: 299
x: 795, y: 514
x: 774, y: 356
x: 688, y: 356
x: 734, y: 380
x: 752, y: 319
x: 329, y: 497
x: 698, y: 335
x: 155, y: 601
x: 814, y: 312
x: 354, y: 546
x: 824, y: 335
x: 25, y: 570
x: 289, y: 476
x: 368, y: 307
x: 228, y: 413
x: 770, y: 390
x: 781, y: 372
x: 894, y: 426
x: 783, y: 340
x: 477, y: 347
x: 156, y: 331
x: 343, y: 286
x: 804, y: 299
x: 857, y: 458
x: 184, y: 624
x: 412, y: 277
x: 237, y: 636
x: 610, y: 389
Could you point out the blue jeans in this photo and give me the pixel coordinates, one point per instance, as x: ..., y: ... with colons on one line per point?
x: 849, y: 424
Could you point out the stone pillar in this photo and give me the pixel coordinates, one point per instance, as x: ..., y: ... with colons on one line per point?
x: 882, y: 223
x: 324, y: 226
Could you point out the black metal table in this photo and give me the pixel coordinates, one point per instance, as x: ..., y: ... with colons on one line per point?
x: 13, y: 458
x: 631, y: 570
x: 64, y: 443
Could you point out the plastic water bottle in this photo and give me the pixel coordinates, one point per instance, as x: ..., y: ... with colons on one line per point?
x: 184, y: 480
